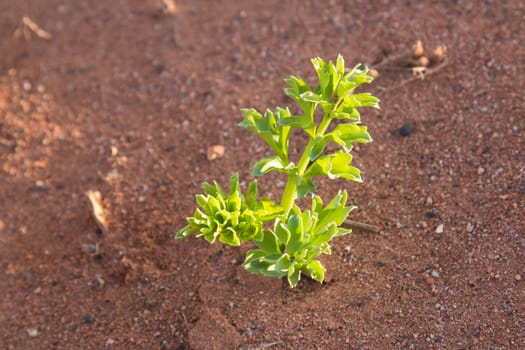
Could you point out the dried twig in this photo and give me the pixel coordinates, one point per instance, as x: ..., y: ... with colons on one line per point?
x: 360, y: 226
x: 95, y: 199
x: 403, y: 56
x: 422, y: 75
x: 265, y: 345
x: 35, y: 28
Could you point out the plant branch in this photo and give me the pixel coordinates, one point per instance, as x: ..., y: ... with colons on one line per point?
x: 360, y: 226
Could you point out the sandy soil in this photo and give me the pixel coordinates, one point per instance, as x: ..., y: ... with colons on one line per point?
x: 125, y: 98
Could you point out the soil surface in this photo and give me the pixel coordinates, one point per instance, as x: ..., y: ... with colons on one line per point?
x: 125, y: 98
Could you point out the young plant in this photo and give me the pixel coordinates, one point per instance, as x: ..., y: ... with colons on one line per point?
x: 290, y: 246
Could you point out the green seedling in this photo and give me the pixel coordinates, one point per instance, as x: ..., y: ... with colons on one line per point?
x: 289, y: 239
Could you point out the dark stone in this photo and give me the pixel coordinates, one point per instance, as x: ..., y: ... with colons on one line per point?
x: 431, y: 214
x: 89, y: 319
x: 405, y: 130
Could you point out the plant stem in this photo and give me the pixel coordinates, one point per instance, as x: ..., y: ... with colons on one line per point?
x: 360, y: 226
x: 289, y: 194
x: 305, y: 157
x: 290, y: 191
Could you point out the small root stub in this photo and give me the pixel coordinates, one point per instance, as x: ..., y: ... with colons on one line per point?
x: 356, y: 225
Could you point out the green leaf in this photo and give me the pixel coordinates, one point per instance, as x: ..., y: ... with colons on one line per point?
x: 310, y: 96
x: 280, y: 268
x: 304, y: 185
x: 253, y: 262
x: 213, y: 190
x: 283, y: 132
x: 251, y: 195
x: 338, y: 201
x: 294, y: 275
x: 345, y: 134
x: 297, y: 86
x: 316, y: 270
x: 361, y: 100
x: 317, y: 148
x: 282, y: 232
x: 358, y: 76
x: 344, y: 88
x: 346, y: 112
x: 235, y: 187
x: 229, y: 237
x: 335, y: 166
x: 234, y: 202
x: 335, y: 212
x: 301, y: 122
x: 322, y: 72
x: 270, y: 265
x: 267, y: 165
x: 340, y: 65
x: 269, y: 243
x: 296, y: 241
x: 268, y: 210
x: 184, y: 232
x: 266, y: 127
x: 202, y: 201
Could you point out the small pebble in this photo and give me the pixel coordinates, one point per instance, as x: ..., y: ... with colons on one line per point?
x: 480, y: 171
x: 109, y: 342
x: 89, y: 248
x: 405, y: 130
x: 439, y: 229
x: 434, y: 274
x: 26, y: 85
x: 215, y: 151
x: 437, y: 306
x: 431, y: 214
x: 470, y: 228
x: 32, y: 332
x: 517, y: 277
x: 429, y: 201
x: 89, y: 319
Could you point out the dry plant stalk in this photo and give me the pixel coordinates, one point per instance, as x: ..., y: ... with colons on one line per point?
x: 97, y: 210
x: 28, y: 23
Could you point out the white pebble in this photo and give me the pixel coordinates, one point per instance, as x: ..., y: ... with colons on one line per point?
x: 26, y: 85
x: 434, y: 274
x: 32, y: 332
x: 439, y: 229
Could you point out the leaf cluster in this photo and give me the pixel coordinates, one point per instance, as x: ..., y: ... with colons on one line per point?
x: 290, y: 247
x: 296, y: 240
x: 335, y: 96
x: 232, y: 218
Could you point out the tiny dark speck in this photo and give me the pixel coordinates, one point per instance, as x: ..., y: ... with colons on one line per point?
x: 431, y: 214
x: 169, y: 148
x: 405, y: 130
x: 89, y: 319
